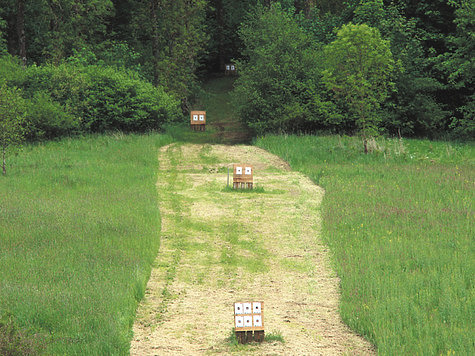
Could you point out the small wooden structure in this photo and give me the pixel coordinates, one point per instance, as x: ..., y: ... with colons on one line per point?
x: 198, y: 120
x: 243, y: 176
x: 249, y: 321
x: 230, y: 69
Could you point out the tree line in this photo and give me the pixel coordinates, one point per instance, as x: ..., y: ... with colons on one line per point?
x: 346, y: 66
x: 371, y: 66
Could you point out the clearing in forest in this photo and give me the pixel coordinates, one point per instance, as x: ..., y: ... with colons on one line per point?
x: 219, y: 247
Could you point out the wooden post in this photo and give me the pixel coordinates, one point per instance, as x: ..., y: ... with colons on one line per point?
x: 259, y: 335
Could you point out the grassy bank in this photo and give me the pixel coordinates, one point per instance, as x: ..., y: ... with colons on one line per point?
x: 400, y: 224
x: 79, y: 230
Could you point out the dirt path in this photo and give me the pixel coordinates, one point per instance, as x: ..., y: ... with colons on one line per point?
x: 219, y: 247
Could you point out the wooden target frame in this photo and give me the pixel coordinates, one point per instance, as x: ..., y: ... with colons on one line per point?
x: 249, y: 321
x: 230, y: 69
x: 198, y: 120
x: 243, y: 176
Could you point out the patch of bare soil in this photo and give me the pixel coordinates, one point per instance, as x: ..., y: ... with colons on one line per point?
x: 231, y: 132
x: 218, y: 248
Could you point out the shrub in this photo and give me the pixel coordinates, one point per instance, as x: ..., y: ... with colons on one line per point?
x: 91, y: 98
x: 48, y: 118
x: 12, y: 115
x: 10, y: 69
x: 117, y: 100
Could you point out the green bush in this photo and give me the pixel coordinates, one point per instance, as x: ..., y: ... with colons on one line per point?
x: 72, y: 97
x: 47, y: 118
x: 117, y: 100
x: 10, y: 69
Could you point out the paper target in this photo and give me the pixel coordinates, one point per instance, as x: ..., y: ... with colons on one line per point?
x: 238, y: 308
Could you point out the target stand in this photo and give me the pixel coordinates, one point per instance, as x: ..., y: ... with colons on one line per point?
x: 243, y: 176
x: 230, y: 69
x: 198, y: 120
x: 249, y: 322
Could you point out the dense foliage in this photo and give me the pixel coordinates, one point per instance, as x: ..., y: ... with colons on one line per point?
x: 11, y: 120
x: 431, y: 81
x: 280, y: 47
x: 358, y: 66
x: 72, y: 97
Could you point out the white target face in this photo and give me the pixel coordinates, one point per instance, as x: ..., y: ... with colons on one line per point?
x: 195, y: 117
x: 248, y: 170
x: 202, y: 118
x: 227, y: 67
x: 232, y: 67
x: 238, y: 170
x: 256, y: 307
x: 247, y: 308
x: 239, y: 321
x: 257, y: 320
x: 238, y: 308
x: 248, y: 321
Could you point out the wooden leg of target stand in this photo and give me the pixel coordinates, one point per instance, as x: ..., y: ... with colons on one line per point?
x: 259, y: 336
x: 240, y: 336
x: 248, y: 337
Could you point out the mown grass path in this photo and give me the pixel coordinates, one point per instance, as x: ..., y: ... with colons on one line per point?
x: 218, y: 247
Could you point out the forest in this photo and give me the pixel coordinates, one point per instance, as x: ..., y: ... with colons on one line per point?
x: 372, y: 67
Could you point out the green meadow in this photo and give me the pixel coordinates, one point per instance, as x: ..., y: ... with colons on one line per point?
x: 79, y: 230
x: 400, y: 225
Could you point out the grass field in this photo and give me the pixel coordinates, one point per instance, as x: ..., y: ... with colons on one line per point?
x: 79, y: 230
x: 400, y: 224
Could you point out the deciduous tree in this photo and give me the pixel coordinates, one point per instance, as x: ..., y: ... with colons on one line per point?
x: 358, y: 66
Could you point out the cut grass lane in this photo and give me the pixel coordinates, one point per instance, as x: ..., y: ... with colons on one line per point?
x: 220, y: 246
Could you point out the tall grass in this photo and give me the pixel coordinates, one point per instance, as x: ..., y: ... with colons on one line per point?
x: 400, y: 224
x: 79, y: 230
